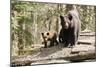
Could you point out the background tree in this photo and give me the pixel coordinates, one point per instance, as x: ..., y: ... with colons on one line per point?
x: 29, y: 19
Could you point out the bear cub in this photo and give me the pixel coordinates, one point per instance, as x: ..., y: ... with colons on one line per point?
x: 49, y: 39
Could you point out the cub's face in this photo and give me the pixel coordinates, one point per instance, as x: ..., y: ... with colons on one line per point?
x: 45, y: 37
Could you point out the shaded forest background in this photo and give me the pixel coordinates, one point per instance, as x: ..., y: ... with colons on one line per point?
x: 29, y: 19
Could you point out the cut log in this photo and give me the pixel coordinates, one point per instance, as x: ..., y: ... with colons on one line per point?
x: 87, y: 34
x: 87, y: 42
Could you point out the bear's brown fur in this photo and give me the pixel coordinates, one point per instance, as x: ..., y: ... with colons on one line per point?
x: 70, y: 28
x: 49, y: 37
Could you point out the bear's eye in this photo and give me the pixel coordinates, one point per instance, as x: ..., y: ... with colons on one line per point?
x: 47, y: 33
x: 42, y: 33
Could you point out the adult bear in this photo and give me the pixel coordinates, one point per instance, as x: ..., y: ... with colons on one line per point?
x: 70, y: 28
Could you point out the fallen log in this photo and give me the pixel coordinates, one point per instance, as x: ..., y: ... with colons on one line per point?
x: 78, y: 53
x: 81, y: 56
x: 84, y: 52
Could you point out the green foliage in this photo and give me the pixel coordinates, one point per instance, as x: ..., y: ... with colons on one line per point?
x: 29, y: 19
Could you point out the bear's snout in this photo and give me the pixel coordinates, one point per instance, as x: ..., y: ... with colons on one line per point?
x: 66, y: 26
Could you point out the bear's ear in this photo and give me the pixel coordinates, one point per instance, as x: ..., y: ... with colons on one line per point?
x: 42, y: 33
x: 70, y: 17
x: 61, y: 17
x: 48, y: 33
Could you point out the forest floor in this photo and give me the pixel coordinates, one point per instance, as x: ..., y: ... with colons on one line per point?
x: 84, y: 50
